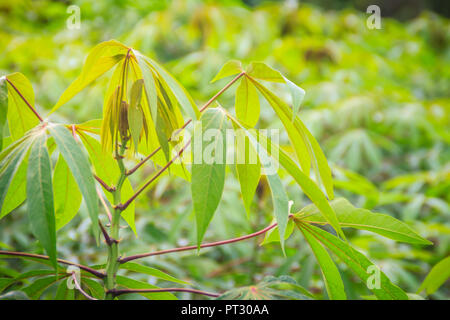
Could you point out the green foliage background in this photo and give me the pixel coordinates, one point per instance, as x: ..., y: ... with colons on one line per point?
x: 376, y: 100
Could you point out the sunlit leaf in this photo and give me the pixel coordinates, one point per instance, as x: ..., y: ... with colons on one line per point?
x: 135, y: 284
x: 228, y: 69
x: 20, y: 117
x: 101, y: 58
x: 247, y: 103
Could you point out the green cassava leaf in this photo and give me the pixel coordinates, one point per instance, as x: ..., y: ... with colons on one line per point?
x: 208, y: 167
x: 66, y: 194
x: 40, y: 207
x: 279, y: 197
x: 262, y: 71
x: 16, y: 193
x: 131, y: 266
x: 228, y: 69
x: 37, y: 288
x: 182, y: 96
x: 248, y: 168
x: 135, y: 284
x: 64, y: 293
x: 11, y: 159
x: 101, y: 58
x: 274, y: 236
x: 363, y: 219
x: 306, y: 184
x: 81, y: 169
x: 270, y: 288
x: 320, y: 164
x: 149, y: 87
x: 356, y: 261
x: 3, y: 107
x: 438, y: 275
x: 297, y: 94
x: 135, y: 113
x: 330, y: 273
x: 247, y: 103
x: 20, y: 117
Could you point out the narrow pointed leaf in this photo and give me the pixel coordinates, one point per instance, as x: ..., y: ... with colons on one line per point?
x: 262, y: 71
x: 297, y: 94
x: 248, y: 168
x: 208, y: 168
x: 81, y: 170
x: 3, y: 108
x: 247, y: 103
x: 228, y: 69
x: 331, y: 276
x: 41, y: 212
x: 66, y: 194
x: 363, y: 219
x: 358, y: 263
x: 101, y: 58
x: 131, y: 266
x: 438, y: 275
x: 20, y: 117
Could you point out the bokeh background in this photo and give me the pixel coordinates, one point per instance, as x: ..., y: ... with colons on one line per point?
x: 376, y: 100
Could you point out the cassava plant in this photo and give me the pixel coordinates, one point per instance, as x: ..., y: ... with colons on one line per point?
x: 53, y: 167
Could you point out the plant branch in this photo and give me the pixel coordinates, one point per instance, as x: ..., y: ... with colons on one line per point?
x: 206, y: 245
x: 78, y: 286
x: 206, y: 105
x: 25, y: 100
x: 39, y: 256
x: 104, y: 184
x: 127, y: 203
x: 117, y: 292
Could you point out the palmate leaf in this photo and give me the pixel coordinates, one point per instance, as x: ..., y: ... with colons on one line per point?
x: 438, y: 275
x: 66, y: 194
x: 331, y: 276
x: 41, y: 212
x: 20, y: 117
x: 274, y: 236
x: 355, y: 261
x: 363, y: 219
x: 80, y: 167
x: 37, y: 288
x: 101, y: 58
x: 208, y: 168
x: 271, y: 288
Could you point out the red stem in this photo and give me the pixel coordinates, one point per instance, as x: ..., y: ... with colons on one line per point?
x: 127, y: 203
x: 206, y: 245
x: 39, y: 256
